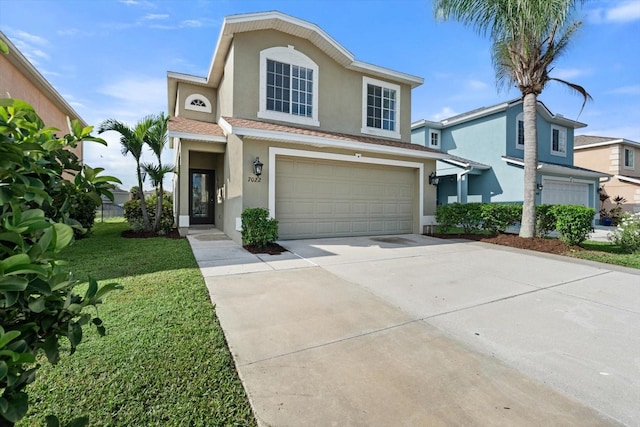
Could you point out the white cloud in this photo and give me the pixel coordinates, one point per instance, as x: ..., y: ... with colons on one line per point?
x: 191, y: 23
x: 477, y: 84
x: 155, y: 17
x: 622, y: 12
x: 138, y: 91
x: 627, y: 90
x: 568, y: 73
x: 444, y: 113
x: 67, y: 32
x: 30, y: 38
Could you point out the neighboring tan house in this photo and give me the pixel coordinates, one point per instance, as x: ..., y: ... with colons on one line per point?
x: 331, y: 135
x: 19, y: 79
x: 615, y: 156
x: 493, y: 138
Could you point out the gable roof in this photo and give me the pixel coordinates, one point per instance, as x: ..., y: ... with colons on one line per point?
x: 504, y: 106
x: 559, y: 169
x: 18, y: 60
x: 275, y: 20
x: 589, y: 141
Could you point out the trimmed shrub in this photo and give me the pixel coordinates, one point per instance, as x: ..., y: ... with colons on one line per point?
x: 627, y: 233
x: 83, y: 209
x: 574, y: 223
x: 257, y: 228
x: 465, y: 215
x: 133, y: 214
x: 545, y: 220
x: 497, y: 217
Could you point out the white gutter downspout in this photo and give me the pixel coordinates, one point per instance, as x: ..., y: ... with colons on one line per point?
x: 460, y: 177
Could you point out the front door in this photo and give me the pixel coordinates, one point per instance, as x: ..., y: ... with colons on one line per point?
x: 201, y: 196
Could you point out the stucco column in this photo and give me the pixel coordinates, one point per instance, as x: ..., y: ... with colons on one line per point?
x: 463, y: 187
x: 183, y: 194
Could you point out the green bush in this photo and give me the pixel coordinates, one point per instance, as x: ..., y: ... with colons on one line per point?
x: 627, y: 233
x: 465, y: 215
x: 257, y: 228
x: 545, y: 220
x: 574, y: 223
x: 133, y: 214
x: 83, y: 209
x: 497, y: 217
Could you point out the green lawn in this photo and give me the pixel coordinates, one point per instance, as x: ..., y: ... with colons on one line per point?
x: 164, y: 360
x: 608, y: 253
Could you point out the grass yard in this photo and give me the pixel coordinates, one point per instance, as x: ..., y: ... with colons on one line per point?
x: 164, y: 360
x: 608, y: 253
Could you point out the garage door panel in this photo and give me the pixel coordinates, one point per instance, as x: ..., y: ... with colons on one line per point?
x: 316, y: 198
x: 556, y: 192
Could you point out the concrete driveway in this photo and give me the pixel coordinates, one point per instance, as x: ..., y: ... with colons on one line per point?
x: 412, y: 330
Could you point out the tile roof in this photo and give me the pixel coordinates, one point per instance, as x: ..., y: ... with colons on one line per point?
x: 558, y: 165
x: 266, y: 126
x: 590, y: 139
x: 182, y: 124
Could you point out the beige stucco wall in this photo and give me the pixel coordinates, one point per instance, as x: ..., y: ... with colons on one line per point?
x: 226, y: 88
x: 185, y: 90
x: 340, y: 89
x: 16, y: 85
x: 610, y: 159
x: 234, y: 171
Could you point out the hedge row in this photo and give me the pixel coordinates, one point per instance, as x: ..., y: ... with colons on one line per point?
x: 574, y: 223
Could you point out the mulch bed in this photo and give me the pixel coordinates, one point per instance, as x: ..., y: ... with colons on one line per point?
x: 130, y: 234
x: 552, y: 246
x: 270, y: 249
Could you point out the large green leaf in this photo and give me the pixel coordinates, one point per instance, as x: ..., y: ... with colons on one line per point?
x: 13, y: 261
x: 64, y: 235
x: 17, y: 407
x: 8, y: 337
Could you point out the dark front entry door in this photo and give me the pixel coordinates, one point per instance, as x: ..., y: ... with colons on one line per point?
x: 201, y: 196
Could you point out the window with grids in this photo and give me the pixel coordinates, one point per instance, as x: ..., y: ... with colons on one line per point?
x: 520, y: 131
x: 289, y: 89
x: 381, y: 107
x: 434, y: 139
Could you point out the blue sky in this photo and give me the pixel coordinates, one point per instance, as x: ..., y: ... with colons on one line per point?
x: 109, y: 58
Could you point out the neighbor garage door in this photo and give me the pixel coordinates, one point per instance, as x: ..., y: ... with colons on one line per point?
x: 564, y: 193
x: 319, y: 198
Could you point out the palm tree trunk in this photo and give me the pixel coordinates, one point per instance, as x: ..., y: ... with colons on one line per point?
x: 143, y: 204
x: 159, y: 208
x: 528, y: 222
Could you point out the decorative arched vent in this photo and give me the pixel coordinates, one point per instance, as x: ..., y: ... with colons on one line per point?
x: 197, y: 102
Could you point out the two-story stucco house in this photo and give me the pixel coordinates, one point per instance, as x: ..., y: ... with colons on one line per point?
x: 493, y: 139
x: 615, y: 156
x: 289, y: 120
x: 19, y: 79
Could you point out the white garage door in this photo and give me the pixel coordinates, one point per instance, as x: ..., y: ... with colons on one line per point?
x: 564, y: 193
x: 319, y: 198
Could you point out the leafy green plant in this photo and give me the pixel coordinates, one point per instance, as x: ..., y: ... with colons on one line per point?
x: 257, y: 228
x: 545, y: 220
x: 627, y: 233
x: 133, y: 214
x: 497, y: 217
x: 38, y: 305
x: 465, y: 215
x: 574, y: 223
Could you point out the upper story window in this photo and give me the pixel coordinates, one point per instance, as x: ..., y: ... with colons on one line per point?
x: 520, y: 131
x: 288, y: 86
x: 434, y: 139
x: 197, y: 102
x: 628, y: 158
x: 380, y: 108
x: 558, y: 141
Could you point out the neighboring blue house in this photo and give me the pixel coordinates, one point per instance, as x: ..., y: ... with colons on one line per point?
x: 493, y: 138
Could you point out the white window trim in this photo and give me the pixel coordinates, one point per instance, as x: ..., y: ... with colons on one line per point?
x: 287, y: 55
x: 562, y: 131
x: 437, y: 132
x: 204, y: 109
x: 375, y: 131
x: 520, y: 118
x: 624, y: 158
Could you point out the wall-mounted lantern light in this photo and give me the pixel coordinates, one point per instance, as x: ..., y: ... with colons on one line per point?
x: 433, y: 179
x: 257, y: 167
x: 539, y: 187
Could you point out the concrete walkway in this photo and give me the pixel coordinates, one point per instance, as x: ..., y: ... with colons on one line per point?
x: 410, y: 330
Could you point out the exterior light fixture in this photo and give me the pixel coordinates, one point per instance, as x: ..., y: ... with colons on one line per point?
x: 433, y: 179
x: 539, y: 187
x: 257, y: 167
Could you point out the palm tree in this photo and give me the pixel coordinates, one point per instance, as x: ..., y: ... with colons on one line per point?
x: 528, y: 36
x: 132, y: 140
x: 156, y: 139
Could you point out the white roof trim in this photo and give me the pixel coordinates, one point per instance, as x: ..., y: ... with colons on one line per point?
x: 560, y: 169
x: 628, y: 179
x: 187, y: 77
x: 320, y: 141
x: 197, y: 136
x: 605, y: 143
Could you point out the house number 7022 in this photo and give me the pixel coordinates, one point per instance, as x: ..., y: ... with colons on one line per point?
x: 254, y: 179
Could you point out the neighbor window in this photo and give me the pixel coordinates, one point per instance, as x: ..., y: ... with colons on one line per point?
x: 288, y: 86
x: 381, y: 108
x: 628, y: 158
x: 434, y: 139
x: 558, y: 141
x: 520, y: 131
